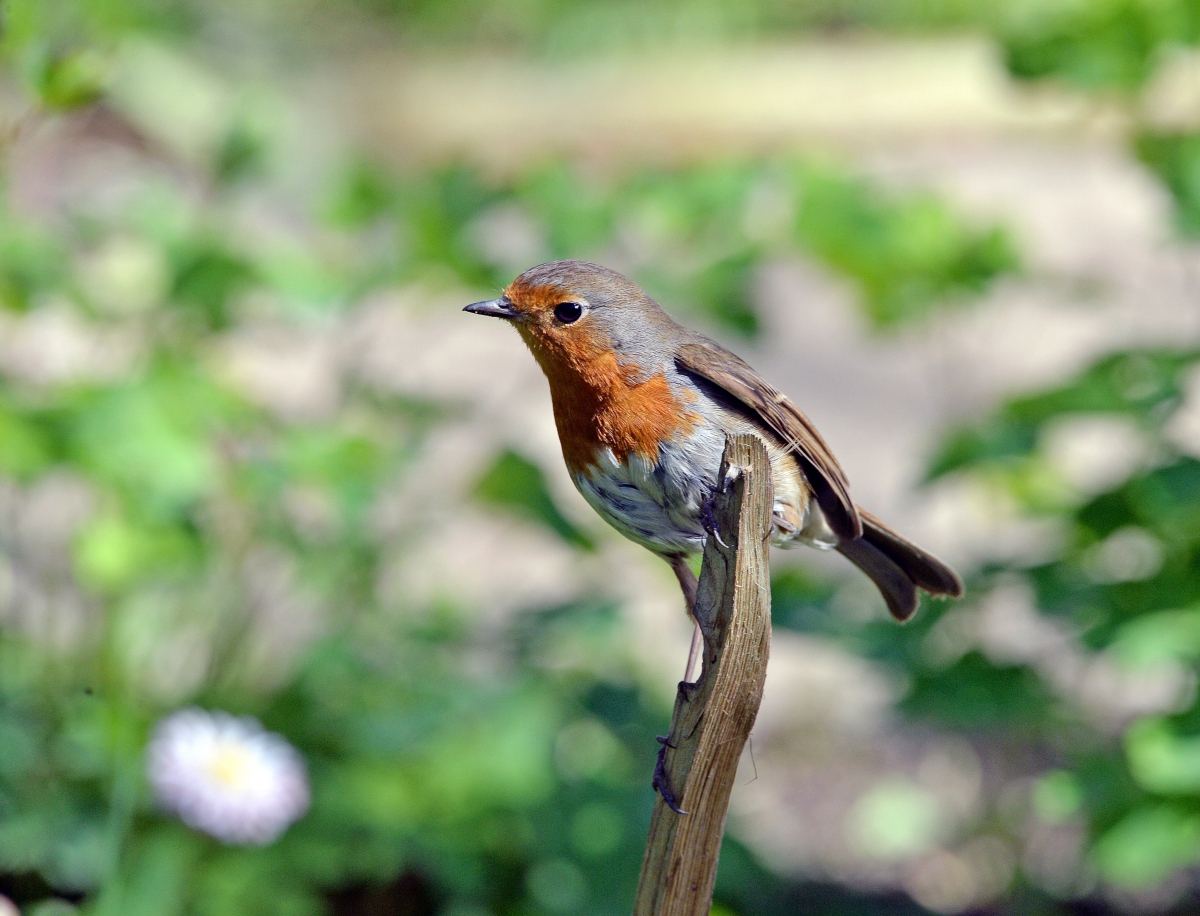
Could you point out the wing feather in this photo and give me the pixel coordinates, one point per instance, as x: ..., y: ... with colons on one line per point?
x: 716, y: 365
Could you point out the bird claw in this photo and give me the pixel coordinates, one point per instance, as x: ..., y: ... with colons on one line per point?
x: 709, y: 520
x: 660, y: 783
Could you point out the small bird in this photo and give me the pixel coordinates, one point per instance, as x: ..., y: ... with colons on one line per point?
x: 643, y: 406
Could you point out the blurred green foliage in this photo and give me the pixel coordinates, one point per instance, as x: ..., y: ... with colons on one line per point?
x: 1111, y: 45
x: 693, y: 237
x: 517, y: 483
x: 1175, y: 158
x: 1117, y: 49
x: 520, y: 790
x: 521, y: 793
x: 1114, y: 48
x: 1125, y: 580
x: 587, y: 26
x: 1144, y: 386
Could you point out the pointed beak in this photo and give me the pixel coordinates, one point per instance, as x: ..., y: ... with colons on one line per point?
x: 496, y: 308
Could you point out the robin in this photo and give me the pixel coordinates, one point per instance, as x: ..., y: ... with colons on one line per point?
x: 643, y: 406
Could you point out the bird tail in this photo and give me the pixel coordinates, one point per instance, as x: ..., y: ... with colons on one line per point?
x: 898, y: 567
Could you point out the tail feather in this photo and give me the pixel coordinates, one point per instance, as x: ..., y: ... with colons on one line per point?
x: 926, y: 570
x: 896, y: 587
x: 898, y: 567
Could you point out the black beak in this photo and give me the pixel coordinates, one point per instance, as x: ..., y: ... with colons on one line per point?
x: 496, y: 308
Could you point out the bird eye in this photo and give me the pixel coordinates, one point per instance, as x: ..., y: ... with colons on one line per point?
x: 568, y: 312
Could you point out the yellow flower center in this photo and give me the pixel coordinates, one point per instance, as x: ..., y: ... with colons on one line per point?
x: 229, y: 765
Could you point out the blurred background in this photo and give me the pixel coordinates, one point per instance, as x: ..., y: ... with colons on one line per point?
x: 253, y: 458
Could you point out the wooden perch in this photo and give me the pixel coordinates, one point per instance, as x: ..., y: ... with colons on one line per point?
x: 714, y: 715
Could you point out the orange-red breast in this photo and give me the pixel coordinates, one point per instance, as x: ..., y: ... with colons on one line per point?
x: 643, y: 406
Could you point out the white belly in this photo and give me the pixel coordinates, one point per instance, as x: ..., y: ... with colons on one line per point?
x: 661, y: 506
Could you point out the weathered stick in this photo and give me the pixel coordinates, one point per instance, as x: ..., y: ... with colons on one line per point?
x: 713, y: 716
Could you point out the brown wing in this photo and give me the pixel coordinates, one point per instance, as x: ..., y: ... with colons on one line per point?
x: 716, y: 365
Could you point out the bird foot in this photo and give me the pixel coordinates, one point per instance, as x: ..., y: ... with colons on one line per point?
x: 709, y: 520
x: 660, y: 783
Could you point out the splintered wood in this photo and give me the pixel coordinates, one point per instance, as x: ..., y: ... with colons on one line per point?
x: 713, y: 716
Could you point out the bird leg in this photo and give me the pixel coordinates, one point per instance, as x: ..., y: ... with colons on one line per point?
x: 689, y: 584
x: 693, y: 653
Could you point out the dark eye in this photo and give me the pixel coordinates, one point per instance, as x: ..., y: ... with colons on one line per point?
x: 567, y: 312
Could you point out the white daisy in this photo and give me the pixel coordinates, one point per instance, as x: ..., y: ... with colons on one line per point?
x: 227, y: 776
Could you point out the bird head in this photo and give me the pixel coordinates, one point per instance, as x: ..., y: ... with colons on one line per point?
x: 574, y: 314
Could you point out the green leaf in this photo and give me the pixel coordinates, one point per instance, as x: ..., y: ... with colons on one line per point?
x: 514, y: 482
x: 1153, y: 640
x: 242, y: 155
x: 1147, y: 845
x: 1057, y: 796
x: 350, y: 466
x: 908, y: 254
x: 153, y: 438
x: 996, y: 439
x: 974, y: 694
x: 1161, y: 761
x: 155, y: 883
x: 112, y: 553
x: 207, y: 276
x: 1175, y: 158
x: 362, y: 196
x: 723, y: 291
x: 800, y: 600
x: 24, y: 447
x: 66, y: 80
x: 579, y: 215
x: 1146, y: 385
x: 253, y: 881
x: 32, y: 262
x: 1166, y: 501
x: 1111, y: 45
